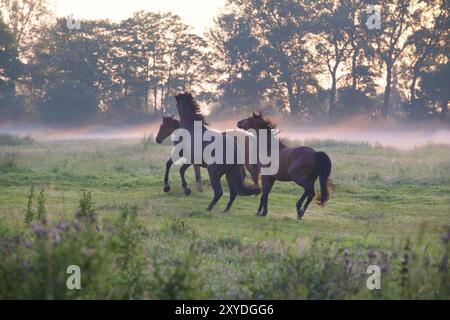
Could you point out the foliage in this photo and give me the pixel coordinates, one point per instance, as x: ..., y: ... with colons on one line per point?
x: 309, y: 59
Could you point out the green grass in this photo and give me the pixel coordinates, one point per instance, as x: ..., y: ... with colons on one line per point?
x: 384, y: 197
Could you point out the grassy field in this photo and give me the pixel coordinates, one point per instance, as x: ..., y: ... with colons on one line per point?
x: 131, y: 240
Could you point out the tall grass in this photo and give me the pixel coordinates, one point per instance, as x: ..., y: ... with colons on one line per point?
x: 115, y: 264
x: 167, y: 247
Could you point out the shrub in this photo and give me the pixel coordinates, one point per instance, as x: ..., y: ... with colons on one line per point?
x: 86, y: 206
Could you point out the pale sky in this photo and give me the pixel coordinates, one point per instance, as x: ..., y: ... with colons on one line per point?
x: 197, y: 13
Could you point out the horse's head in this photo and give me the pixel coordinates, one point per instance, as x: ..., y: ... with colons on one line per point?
x: 167, y: 126
x: 255, y: 122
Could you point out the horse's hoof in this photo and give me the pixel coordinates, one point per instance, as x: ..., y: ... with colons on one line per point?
x: 300, y: 214
x: 226, y: 211
x: 166, y: 188
x: 187, y: 191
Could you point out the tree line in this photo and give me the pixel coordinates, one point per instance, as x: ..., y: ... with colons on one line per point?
x: 319, y: 59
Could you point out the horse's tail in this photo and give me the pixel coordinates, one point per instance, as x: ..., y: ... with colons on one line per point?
x: 323, y: 167
x: 238, y: 182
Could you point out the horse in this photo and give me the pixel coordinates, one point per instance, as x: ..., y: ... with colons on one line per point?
x: 167, y: 127
x: 189, y: 112
x: 303, y: 165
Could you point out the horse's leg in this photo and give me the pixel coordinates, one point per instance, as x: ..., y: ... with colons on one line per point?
x: 166, y: 187
x: 183, y: 168
x: 214, y: 177
x: 311, y: 194
x: 261, y: 199
x: 198, y: 178
x: 253, y: 169
x: 267, y: 182
x: 301, y: 212
x: 233, y: 192
x: 308, y: 185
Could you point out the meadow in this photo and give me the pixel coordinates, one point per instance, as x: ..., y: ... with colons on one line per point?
x: 99, y: 204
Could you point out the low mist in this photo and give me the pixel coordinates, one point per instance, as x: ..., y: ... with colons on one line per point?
x: 401, y: 136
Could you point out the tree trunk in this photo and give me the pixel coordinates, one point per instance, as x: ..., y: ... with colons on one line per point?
x: 292, y: 100
x: 155, y: 85
x: 412, y: 100
x: 332, y: 97
x: 387, y: 91
x: 444, y: 110
x: 146, y: 92
x: 155, y: 98
x: 354, y: 80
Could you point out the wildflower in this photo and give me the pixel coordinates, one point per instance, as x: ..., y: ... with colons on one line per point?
x: 39, y: 230
x: 372, y: 254
x: 446, y: 237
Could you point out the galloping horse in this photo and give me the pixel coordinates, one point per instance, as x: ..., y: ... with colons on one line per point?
x: 189, y: 112
x: 167, y: 127
x: 301, y: 164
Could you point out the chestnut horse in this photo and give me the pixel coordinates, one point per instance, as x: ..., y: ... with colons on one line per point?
x: 303, y: 165
x: 167, y: 127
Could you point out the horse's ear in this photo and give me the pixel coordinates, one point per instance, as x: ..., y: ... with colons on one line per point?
x: 254, y: 115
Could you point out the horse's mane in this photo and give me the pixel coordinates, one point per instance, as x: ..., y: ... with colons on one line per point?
x: 268, y: 124
x: 194, y: 106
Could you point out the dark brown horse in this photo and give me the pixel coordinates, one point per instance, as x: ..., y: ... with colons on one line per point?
x: 303, y: 165
x: 166, y: 128
x: 189, y: 112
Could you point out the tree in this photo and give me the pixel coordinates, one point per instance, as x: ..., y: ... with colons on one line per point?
x: 155, y: 56
x: 68, y: 102
x: 435, y: 92
x: 428, y: 48
x: 235, y: 63
x: 333, y: 26
x: 67, y: 74
x: 389, y: 42
x: 10, y: 68
x: 23, y: 18
x: 281, y: 28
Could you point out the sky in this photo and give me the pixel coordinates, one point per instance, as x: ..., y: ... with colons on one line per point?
x: 197, y: 13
